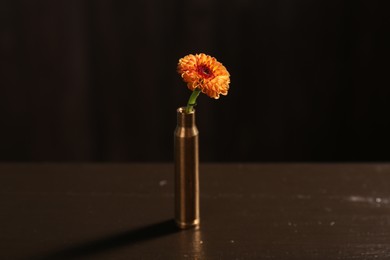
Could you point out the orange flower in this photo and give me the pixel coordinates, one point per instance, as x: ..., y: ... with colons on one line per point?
x: 204, y: 72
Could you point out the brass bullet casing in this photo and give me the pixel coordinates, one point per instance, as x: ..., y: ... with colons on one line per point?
x: 186, y: 156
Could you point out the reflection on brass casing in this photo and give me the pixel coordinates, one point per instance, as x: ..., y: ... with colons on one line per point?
x: 186, y: 152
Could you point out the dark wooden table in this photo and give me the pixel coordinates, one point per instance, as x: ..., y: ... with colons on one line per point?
x: 248, y: 211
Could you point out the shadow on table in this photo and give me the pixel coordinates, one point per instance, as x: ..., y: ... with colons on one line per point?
x: 127, y: 239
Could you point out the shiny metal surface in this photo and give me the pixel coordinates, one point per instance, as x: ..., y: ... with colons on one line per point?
x: 186, y: 157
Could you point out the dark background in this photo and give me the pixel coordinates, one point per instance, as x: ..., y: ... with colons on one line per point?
x: 96, y: 80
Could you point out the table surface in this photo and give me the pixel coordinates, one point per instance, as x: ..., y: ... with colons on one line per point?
x: 248, y: 211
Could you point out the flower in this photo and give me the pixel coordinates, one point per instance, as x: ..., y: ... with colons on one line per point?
x: 203, y: 72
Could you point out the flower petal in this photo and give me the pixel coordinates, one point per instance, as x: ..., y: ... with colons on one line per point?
x: 206, y: 73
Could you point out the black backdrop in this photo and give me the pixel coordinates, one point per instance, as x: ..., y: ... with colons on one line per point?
x: 96, y: 80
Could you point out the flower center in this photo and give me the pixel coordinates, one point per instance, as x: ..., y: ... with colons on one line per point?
x: 205, y: 71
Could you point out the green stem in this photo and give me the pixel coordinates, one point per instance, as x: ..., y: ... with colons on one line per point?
x: 192, y: 101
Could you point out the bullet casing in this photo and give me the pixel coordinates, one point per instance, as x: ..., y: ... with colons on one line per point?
x: 186, y: 153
